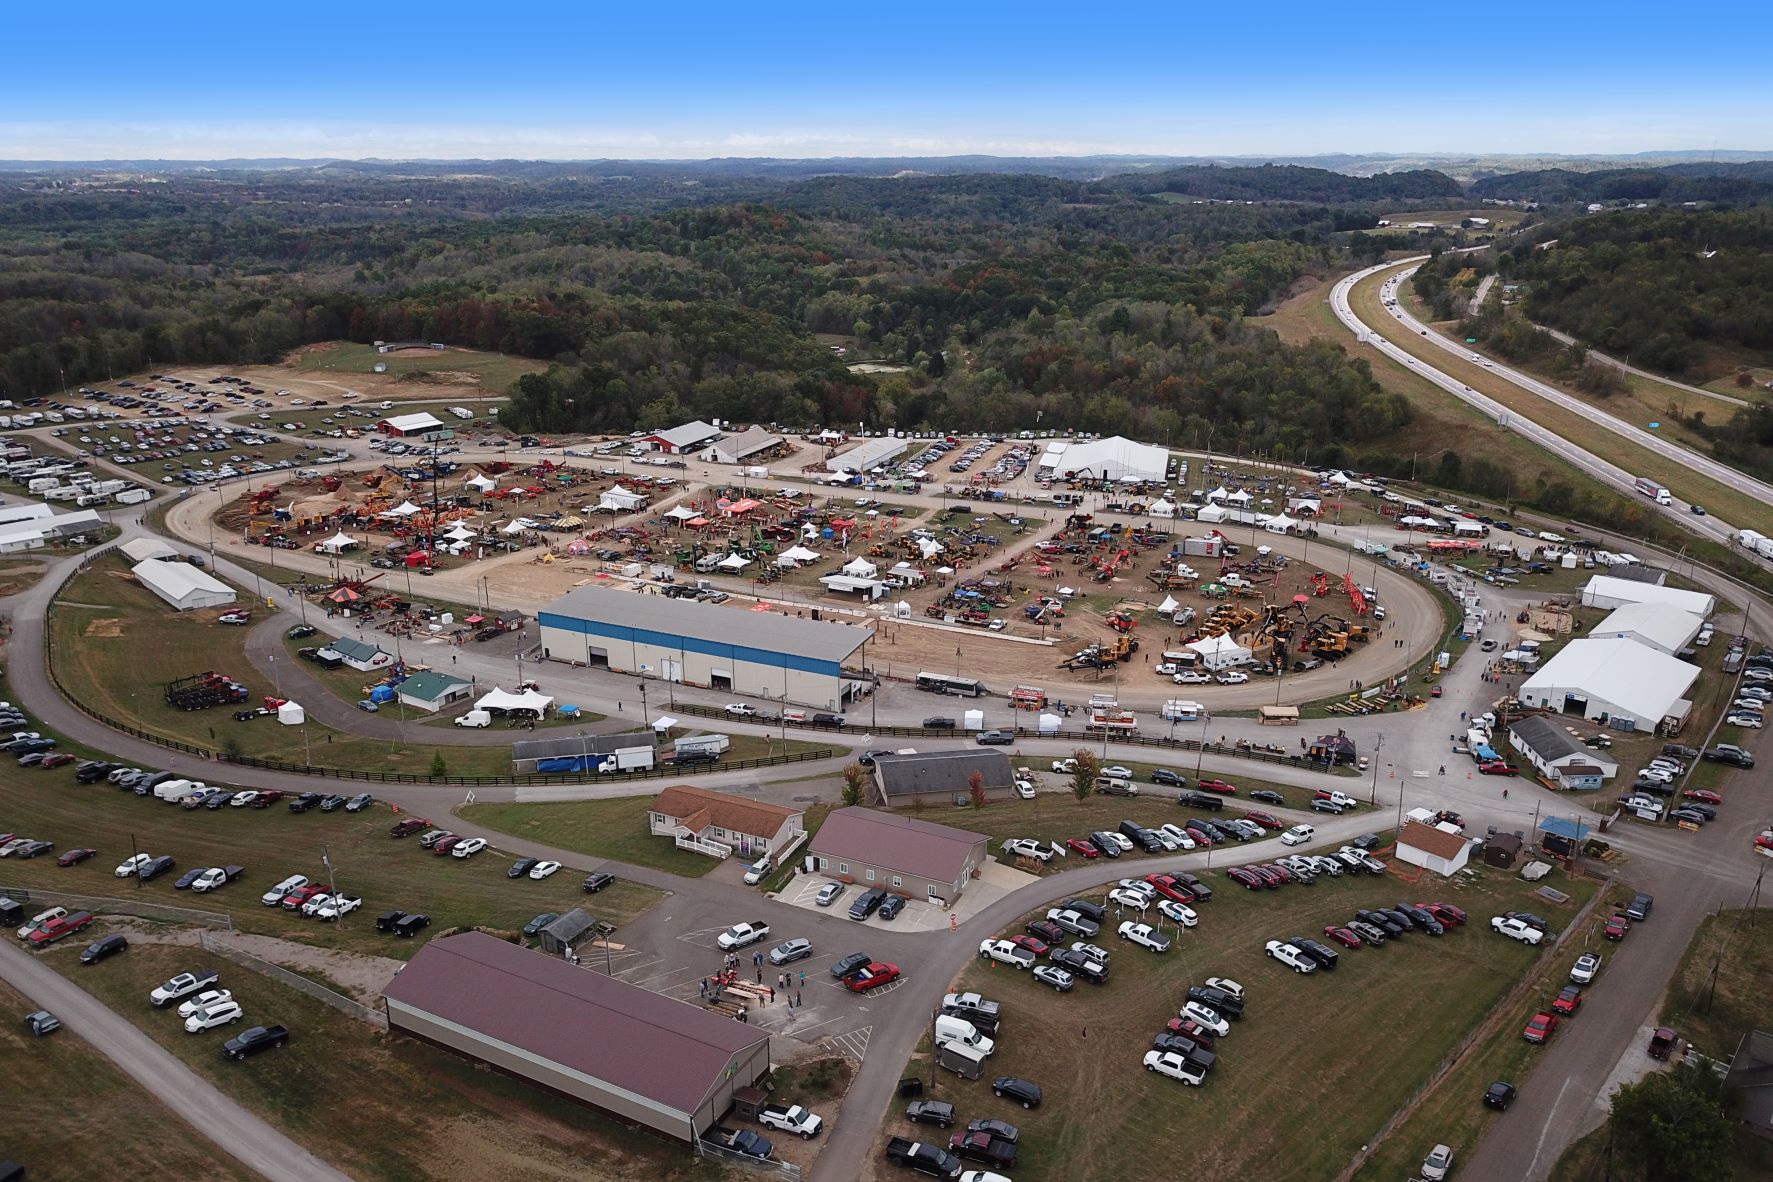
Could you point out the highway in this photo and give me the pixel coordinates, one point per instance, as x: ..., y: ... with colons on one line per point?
x: 1609, y: 473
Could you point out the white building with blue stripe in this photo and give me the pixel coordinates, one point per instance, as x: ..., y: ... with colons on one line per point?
x: 756, y: 654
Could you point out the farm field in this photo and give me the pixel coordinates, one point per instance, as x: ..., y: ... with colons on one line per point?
x: 410, y: 371
x: 364, y: 1100
x: 1102, y: 1112
x: 272, y: 844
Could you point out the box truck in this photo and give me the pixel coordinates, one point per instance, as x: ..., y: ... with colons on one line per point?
x: 1653, y: 490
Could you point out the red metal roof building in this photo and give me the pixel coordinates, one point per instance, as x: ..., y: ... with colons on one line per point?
x: 644, y: 1058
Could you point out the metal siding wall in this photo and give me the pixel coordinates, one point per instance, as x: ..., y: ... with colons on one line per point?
x: 808, y: 682
x: 668, y: 1121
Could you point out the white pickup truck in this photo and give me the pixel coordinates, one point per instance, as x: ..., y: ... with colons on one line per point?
x: 791, y: 1118
x: 741, y: 934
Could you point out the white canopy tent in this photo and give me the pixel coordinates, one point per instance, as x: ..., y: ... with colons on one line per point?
x: 1164, y: 508
x: 621, y: 499
x: 498, y: 699
x: 1219, y: 494
x: 480, y: 483
x: 929, y: 547
x: 404, y: 509
x: 681, y: 513
x: 291, y: 714
x: 1280, y: 523
x: 1168, y: 605
x: 518, y: 526
x: 340, y: 541
x: 796, y: 555
x: 460, y: 533
x: 734, y: 562
x: 1239, y: 497
x: 860, y: 568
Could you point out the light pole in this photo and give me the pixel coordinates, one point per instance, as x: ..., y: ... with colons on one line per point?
x: 1378, y: 746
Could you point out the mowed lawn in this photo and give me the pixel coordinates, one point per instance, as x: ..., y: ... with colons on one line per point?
x: 1311, y: 1073
x: 117, y: 645
x: 1053, y: 816
x: 376, y: 1106
x: 600, y: 828
x: 496, y: 371
x: 60, y: 1084
x: 273, y: 843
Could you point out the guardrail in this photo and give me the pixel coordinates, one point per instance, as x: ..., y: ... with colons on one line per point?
x: 111, y: 905
x: 1083, y: 738
x: 283, y: 976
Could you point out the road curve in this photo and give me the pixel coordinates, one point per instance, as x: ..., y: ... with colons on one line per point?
x: 235, y: 1131
x: 1694, y: 461
x: 1611, y: 474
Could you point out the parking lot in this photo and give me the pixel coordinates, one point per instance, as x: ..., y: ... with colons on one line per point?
x: 994, y: 882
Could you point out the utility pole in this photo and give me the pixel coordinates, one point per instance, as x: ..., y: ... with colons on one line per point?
x: 1378, y: 746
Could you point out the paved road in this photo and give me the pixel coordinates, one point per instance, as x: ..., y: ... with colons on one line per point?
x: 1601, y: 469
x: 1601, y: 358
x: 254, y: 1143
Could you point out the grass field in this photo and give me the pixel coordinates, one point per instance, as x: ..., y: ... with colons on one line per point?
x: 116, y: 646
x: 494, y: 372
x: 601, y: 828
x: 1056, y: 815
x: 272, y: 844
x: 1733, y: 504
x: 1311, y: 1073
x: 377, y: 1107
x: 1453, y: 1113
x: 61, y: 1083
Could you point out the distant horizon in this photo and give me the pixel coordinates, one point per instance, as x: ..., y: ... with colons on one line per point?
x: 699, y: 81
x: 1425, y: 157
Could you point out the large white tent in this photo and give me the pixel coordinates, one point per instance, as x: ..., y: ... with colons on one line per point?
x: 622, y: 500
x: 734, y: 562
x: 1631, y: 685
x: 1221, y: 652
x: 182, y: 585
x: 1609, y: 591
x: 338, y: 543
x: 796, y: 555
x: 480, y: 483
x: 681, y: 513
x: 498, y: 699
x: 1117, y: 458
x: 404, y: 509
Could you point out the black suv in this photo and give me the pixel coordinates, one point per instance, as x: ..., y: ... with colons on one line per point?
x: 1164, y: 775
x: 850, y: 964
x: 304, y: 802
x: 1325, y: 956
x: 866, y: 904
x: 1228, y: 1006
x: 1200, y: 800
x: 1022, y: 1091
x: 946, y: 724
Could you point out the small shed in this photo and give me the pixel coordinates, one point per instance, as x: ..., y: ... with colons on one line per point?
x: 1432, y: 849
x: 432, y: 690
x: 568, y: 931
x: 1335, y: 750
x: 1501, y: 850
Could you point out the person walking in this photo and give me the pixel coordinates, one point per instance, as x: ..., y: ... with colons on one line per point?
x: 803, y: 978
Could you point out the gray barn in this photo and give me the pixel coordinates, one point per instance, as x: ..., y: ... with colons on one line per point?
x: 641, y: 1057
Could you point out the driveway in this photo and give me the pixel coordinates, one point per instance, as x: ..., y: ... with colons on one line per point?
x: 236, y: 1131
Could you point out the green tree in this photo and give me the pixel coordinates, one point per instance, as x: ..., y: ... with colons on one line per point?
x: 439, y: 766
x: 854, y: 776
x: 1673, y: 1127
x: 1084, y: 768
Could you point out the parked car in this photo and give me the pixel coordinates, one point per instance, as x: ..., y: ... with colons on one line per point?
x: 1586, y: 968
x: 1017, y: 1090
x: 1540, y: 1027
x: 255, y: 1039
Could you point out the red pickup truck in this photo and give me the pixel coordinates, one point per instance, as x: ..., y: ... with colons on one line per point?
x: 55, y: 929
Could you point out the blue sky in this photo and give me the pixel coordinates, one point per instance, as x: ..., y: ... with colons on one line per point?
x: 688, y: 80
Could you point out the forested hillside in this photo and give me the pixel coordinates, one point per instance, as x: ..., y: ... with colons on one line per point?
x: 1659, y: 286
x: 1750, y: 182
x: 1290, y: 182
x: 1008, y: 300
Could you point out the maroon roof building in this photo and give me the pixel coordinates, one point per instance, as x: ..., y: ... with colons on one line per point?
x: 644, y: 1058
x: 899, y: 854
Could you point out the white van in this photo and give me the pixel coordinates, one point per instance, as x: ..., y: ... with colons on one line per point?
x: 758, y: 870
x: 959, y: 1030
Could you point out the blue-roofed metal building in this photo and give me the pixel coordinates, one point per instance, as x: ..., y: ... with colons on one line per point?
x: 757, y: 654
